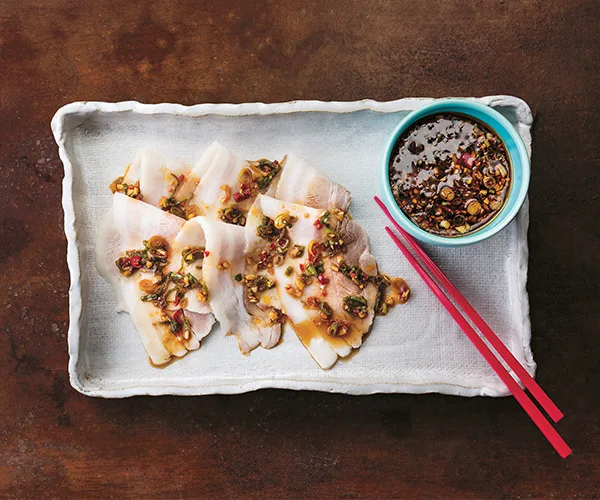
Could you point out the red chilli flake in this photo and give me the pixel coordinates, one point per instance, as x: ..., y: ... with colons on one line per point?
x: 322, y: 279
x: 178, y: 316
x: 318, y: 224
x: 467, y: 159
x: 206, y: 253
x: 135, y: 261
x: 302, y: 268
x: 244, y: 193
x: 181, y: 178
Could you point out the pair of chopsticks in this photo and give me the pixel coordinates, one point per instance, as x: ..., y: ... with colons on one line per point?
x: 536, y: 391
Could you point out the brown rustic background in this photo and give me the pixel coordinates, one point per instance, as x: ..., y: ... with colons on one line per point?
x: 55, y: 442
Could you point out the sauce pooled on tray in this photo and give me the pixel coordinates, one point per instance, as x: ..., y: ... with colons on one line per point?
x: 450, y: 174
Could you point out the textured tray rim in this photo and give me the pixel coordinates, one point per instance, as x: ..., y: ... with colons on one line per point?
x: 76, y: 113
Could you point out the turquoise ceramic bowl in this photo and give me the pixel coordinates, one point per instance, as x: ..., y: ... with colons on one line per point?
x: 518, y: 157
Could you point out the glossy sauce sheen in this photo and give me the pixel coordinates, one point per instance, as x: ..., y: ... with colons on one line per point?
x: 307, y: 331
x: 450, y: 174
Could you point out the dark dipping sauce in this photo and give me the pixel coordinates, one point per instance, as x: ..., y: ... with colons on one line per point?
x: 450, y: 174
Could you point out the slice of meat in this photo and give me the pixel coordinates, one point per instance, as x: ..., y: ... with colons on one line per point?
x: 133, y: 222
x: 221, y: 169
x: 187, y: 252
x: 205, y: 161
x: 160, y: 344
x: 201, y: 323
x: 332, y: 287
x: 356, y: 254
x: 266, y: 304
x: 158, y: 177
x: 163, y: 183
x: 229, y: 182
x: 303, y: 184
x: 107, y: 249
x: 187, y: 255
x: 127, y: 223
x: 224, y: 260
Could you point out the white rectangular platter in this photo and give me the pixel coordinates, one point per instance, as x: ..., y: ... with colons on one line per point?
x: 415, y: 349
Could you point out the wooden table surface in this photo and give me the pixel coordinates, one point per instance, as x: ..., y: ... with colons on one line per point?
x: 54, y: 442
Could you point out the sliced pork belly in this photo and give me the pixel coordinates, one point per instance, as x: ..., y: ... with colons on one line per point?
x: 164, y: 183
x: 229, y: 184
x: 107, y: 248
x: 125, y: 226
x: 313, y: 291
x: 224, y: 261
x: 187, y: 257
x: 134, y: 228
x: 261, y: 296
x: 303, y: 184
x: 356, y: 256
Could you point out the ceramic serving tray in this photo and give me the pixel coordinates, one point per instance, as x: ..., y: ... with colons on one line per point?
x: 416, y: 348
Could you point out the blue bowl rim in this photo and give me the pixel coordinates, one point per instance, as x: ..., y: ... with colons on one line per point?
x: 516, y: 197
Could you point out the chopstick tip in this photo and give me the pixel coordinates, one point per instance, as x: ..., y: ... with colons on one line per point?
x: 566, y: 453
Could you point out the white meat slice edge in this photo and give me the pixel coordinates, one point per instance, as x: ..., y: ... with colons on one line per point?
x: 205, y: 161
x: 303, y: 184
x: 106, y: 250
x: 226, y: 242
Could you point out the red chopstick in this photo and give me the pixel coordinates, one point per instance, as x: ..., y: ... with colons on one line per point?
x: 528, y: 381
x: 534, y: 413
